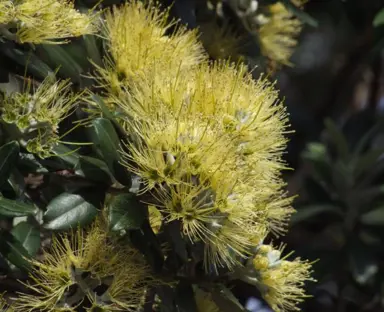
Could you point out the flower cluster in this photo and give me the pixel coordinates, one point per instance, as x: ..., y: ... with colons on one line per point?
x: 37, y: 113
x: 206, y: 139
x: 280, y: 281
x: 43, y: 21
x: 88, y: 271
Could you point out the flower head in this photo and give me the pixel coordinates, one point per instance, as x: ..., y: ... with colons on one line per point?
x: 278, y: 33
x: 37, y: 113
x: 7, y: 11
x: 86, y: 270
x: 281, y: 282
x: 51, y: 21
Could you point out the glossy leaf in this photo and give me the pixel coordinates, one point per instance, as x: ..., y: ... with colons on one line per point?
x: 13, y: 208
x: 93, y: 169
x: 108, y: 143
x: 28, y: 236
x: 69, y: 210
x: 9, y: 154
x: 13, y: 250
x: 126, y: 212
x: 226, y: 301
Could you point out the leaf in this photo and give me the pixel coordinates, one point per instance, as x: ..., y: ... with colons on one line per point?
x: 60, y: 58
x: 304, y: 17
x: 30, y: 61
x: 311, y: 211
x: 108, y: 143
x: 13, y: 250
x: 185, y: 297
x: 66, y: 154
x: 92, y: 49
x: 9, y: 154
x: 126, y: 212
x: 379, y: 18
x: 12, y: 208
x: 337, y: 137
x: 173, y: 231
x: 93, y: 169
x: 69, y: 210
x: 226, y: 301
x: 28, y: 236
x: 374, y: 217
x: 368, y: 160
x: 363, y: 263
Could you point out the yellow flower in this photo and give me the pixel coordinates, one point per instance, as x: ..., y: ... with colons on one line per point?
x: 204, y: 301
x: 7, y: 11
x: 278, y: 33
x: 139, y: 43
x: 37, y: 115
x: 280, y: 281
x: 51, y: 21
x: 86, y: 270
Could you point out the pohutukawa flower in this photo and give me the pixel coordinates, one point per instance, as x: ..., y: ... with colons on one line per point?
x: 278, y: 32
x: 86, y: 270
x: 141, y: 43
x: 48, y: 21
x: 7, y: 11
x: 38, y: 112
x: 281, y: 282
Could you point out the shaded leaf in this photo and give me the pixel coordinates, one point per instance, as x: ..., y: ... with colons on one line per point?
x: 9, y: 154
x: 69, y: 210
x: 93, y: 169
x: 173, y: 230
x: 311, y: 211
x: 12, y: 208
x: 28, y: 236
x: 13, y: 250
x: 126, y: 212
x: 66, y: 154
x: 226, y: 301
x: 338, y: 139
x: 185, y: 298
x: 379, y: 18
x: 108, y: 143
x: 92, y: 49
x: 363, y: 263
x: 374, y: 217
x: 304, y: 17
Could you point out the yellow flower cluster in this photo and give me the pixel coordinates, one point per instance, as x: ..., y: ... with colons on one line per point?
x: 281, y: 282
x: 278, y: 33
x: 88, y: 271
x: 44, y: 21
x: 206, y: 138
x: 37, y: 114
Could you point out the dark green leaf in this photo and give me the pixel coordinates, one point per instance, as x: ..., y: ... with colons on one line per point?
x: 69, y: 210
x: 173, y: 231
x: 379, y: 18
x: 374, y: 217
x: 30, y: 61
x: 363, y: 263
x: 309, y: 212
x: 126, y: 212
x: 59, y: 57
x: 108, y: 143
x: 28, y: 236
x: 93, y: 169
x: 66, y: 154
x: 226, y: 301
x: 368, y: 160
x: 92, y: 49
x: 9, y: 154
x: 338, y: 139
x: 13, y: 250
x: 12, y: 208
x: 185, y: 298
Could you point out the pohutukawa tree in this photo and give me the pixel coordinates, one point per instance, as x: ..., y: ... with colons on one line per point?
x: 173, y: 189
